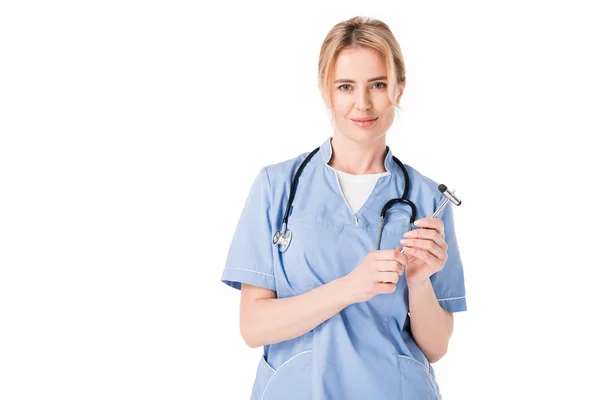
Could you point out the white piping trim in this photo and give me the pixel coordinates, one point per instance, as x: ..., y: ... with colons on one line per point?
x: 452, y: 298
x: 268, y: 383
x: 427, y: 369
x: 417, y: 361
x: 249, y: 270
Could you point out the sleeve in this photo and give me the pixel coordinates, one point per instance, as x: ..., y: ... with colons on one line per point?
x: 448, y: 284
x: 250, y: 257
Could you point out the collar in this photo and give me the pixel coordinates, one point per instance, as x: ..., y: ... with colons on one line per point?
x: 326, y: 153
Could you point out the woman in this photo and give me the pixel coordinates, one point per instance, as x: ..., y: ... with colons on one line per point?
x: 341, y: 312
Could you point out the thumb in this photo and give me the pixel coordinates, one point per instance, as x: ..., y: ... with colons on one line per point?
x: 402, y: 258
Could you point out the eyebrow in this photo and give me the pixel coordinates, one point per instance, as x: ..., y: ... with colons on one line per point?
x: 351, y: 81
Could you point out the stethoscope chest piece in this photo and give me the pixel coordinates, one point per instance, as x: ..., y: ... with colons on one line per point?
x: 282, y: 238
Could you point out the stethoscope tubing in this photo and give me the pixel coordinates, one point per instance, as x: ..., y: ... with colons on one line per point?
x: 283, y: 236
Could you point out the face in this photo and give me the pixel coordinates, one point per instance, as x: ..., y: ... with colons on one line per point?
x: 354, y: 95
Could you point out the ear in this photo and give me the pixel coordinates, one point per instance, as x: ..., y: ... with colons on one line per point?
x: 327, y: 103
x: 400, y: 91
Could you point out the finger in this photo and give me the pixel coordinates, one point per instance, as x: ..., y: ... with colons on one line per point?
x: 424, y: 255
x: 390, y: 266
x: 426, y: 233
x: 431, y: 223
x: 426, y: 245
x: 402, y: 258
x: 384, y: 255
x: 386, y: 287
x: 389, y: 277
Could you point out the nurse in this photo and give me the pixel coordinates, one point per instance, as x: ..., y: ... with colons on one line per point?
x: 337, y: 318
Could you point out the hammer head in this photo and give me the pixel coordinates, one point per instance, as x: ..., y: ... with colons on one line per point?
x: 449, y: 195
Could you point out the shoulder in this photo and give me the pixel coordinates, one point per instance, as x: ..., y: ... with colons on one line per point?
x: 422, y: 185
x: 279, y: 173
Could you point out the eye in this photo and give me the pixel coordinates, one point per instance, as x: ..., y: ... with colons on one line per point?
x: 378, y: 83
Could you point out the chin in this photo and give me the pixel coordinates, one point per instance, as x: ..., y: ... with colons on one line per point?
x: 364, y: 136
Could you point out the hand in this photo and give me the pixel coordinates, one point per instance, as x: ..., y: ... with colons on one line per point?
x: 377, y: 273
x: 425, y: 249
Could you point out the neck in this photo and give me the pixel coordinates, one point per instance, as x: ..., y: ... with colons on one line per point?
x: 357, y: 158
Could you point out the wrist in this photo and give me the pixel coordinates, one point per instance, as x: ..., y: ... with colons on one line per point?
x: 418, y: 284
x: 343, y: 292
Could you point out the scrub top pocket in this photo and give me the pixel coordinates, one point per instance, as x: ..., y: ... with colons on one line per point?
x: 416, y: 381
x: 263, y: 375
x: 291, y: 381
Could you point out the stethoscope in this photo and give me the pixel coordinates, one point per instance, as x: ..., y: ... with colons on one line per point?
x: 284, y: 236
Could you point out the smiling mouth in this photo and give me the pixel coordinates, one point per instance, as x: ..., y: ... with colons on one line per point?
x: 364, y: 120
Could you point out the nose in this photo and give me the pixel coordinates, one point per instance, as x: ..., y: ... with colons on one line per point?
x: 363, y: 101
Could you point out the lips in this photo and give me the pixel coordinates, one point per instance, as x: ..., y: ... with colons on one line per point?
x: 364, y: 123
x: 364, y: 119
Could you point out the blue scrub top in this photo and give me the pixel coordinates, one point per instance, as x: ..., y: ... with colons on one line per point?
x: 366, y: 351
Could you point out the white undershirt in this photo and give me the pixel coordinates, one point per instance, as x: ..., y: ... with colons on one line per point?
x: 357, y: 188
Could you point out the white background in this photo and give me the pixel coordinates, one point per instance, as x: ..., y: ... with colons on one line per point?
x: 130, y: 135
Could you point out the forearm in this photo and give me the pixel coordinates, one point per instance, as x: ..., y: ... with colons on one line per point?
x: 276, y: 320
x: 431, y: 325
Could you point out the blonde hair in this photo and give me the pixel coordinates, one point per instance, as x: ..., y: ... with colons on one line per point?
x: 362, y: 32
